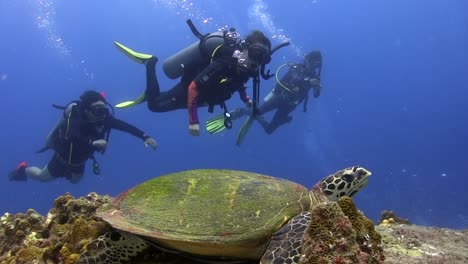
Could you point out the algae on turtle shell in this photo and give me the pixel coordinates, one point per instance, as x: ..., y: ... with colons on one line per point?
x: 226, y: 215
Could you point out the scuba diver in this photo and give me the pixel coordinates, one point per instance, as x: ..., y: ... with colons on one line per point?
x: 211, y: 70
x: 288, y: 93
x: 82, y: 130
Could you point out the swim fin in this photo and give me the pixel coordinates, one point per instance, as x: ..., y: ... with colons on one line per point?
x: 243, y: 130
x: 215, y: 125
x: 128, y: 104
x: 133, y: 55
x: 19, y: 174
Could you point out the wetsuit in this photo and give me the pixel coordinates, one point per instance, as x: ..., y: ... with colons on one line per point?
x: 72, y: 140
x: 297, y: 82
x: 203, y: 85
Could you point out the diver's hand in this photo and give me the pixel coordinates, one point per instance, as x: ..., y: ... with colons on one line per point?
x: 194, y: 129
x: 150, y: 142
x: 314, y: 82
x: 316, y: 86
x: 249, y: 103
x: 99, y: 144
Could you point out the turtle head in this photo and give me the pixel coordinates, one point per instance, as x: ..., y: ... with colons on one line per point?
x: 345, y: 182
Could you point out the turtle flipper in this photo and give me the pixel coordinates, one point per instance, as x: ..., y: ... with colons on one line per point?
x: 287, y: 238
x: 113, y: 248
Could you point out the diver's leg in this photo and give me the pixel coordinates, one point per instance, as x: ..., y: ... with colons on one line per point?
x: 174, y: 99
x: 281, y: 117
x: 38, y: 174
x: 263, y: 122
x: 269, y: 105
x: 239, y: 112
x: 152, y: 84
x: 273, y: 103
x: 75, y: 173
x: 55, y: 168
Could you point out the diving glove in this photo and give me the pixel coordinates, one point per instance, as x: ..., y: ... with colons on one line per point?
x: 194, y: 129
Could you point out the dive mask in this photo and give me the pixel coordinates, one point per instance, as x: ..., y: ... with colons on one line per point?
x: 259, y: 53
x: 99, y: 112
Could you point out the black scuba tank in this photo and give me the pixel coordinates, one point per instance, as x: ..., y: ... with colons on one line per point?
x: 198, y: 53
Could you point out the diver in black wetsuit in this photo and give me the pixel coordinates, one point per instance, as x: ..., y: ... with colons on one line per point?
x: 288, y: 93
x: 291, y: 90
x: 83, y: 129
x: 212, y: 84
x: 209, y: 81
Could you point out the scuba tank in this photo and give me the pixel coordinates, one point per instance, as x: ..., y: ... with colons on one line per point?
x: 193, y: 55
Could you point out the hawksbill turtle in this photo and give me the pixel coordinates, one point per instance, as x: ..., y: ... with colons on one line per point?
x: 221, y: 215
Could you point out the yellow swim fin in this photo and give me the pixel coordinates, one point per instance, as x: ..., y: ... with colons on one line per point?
x: 133, y: 55
x: 215, y: 125
x: 128, y: 104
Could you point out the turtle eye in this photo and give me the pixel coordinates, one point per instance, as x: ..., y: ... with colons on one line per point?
x: 348, y: 177
x: 361, y: 172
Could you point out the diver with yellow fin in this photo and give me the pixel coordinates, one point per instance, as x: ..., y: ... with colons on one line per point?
x: 288, y: 93
x: 210, y: 71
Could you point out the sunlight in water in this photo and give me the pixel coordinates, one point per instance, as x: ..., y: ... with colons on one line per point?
x: 45, y: 20
x: 258, y: 13
x: 185, y: 8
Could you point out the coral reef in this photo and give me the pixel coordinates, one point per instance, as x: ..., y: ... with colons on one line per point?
x: 340, y: 234
x: 389, y: 217
x: 414, y: 244
x: 57, y: 238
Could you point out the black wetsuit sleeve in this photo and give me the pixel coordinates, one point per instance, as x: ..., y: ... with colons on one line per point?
x: 126, y: 127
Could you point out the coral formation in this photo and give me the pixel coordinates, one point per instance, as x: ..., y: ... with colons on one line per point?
x: 412, y: 244
x: 390, y: 218
x: 339, y: 233
x: 58, y: 238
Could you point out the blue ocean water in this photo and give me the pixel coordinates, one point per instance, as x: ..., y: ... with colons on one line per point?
x: 394, y: 98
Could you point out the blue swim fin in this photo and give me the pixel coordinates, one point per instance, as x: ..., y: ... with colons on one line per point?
x: 244, y: 130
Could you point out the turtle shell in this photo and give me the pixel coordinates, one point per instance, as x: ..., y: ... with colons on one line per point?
x: 209, y: 212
